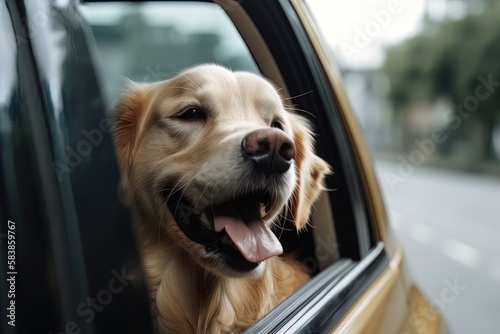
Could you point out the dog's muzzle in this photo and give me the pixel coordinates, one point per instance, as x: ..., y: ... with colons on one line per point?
x: 233, y: 229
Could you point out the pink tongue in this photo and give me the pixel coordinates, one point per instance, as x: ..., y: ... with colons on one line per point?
x: 255, y: 241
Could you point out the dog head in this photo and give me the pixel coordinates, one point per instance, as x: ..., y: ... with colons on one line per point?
x: 211, y: 158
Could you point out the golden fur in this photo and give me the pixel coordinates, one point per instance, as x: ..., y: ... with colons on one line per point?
x: 191, y: 292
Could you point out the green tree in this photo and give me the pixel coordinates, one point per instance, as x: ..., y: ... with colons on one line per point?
x: 446, y: 61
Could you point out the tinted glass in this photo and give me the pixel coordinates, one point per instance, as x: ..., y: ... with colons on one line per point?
x: 96, y: 261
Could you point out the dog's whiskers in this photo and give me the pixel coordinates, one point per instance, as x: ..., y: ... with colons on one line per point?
x: 295, y: 96
x: 183, y: 191
x: 177, y: 188
x: 173, y: 189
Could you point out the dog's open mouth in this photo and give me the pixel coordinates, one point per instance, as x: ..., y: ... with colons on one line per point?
x: 235, y: 228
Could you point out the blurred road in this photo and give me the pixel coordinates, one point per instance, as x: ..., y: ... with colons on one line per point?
x: 449, y: 224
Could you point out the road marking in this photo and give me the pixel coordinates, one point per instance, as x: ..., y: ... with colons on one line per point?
x: 461, y: 252
x: 420, y: 233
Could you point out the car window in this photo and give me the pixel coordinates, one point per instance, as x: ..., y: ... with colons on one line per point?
x: 148, y: 42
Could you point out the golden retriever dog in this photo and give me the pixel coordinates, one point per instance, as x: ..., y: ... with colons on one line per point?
x: 209, y: 161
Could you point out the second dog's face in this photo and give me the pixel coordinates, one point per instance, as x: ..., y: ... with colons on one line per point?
x: 212, y: 157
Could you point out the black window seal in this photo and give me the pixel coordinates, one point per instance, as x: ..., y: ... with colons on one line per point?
x: 319, y: 305
x: 287, y: 309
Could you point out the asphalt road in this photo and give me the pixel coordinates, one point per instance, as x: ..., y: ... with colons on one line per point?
x: 449, y: 224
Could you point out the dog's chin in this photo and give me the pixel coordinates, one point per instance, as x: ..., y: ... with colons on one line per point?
x: 218, y: 253
x: 218, y: 265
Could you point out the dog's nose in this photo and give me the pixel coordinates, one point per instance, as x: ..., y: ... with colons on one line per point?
x: 271, y: 150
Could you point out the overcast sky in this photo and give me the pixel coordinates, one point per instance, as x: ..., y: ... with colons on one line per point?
x: 358, y: 30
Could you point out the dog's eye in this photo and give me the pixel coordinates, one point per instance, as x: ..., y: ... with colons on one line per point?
x: 277, y: 124
x: 194, y: 114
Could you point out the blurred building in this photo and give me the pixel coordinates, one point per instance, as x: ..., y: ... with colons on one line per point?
x: 367, y: 89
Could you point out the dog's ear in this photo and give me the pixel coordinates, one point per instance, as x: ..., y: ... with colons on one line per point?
x: 129, y: 122
x: 310, y: 171
x: 130, y: 119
